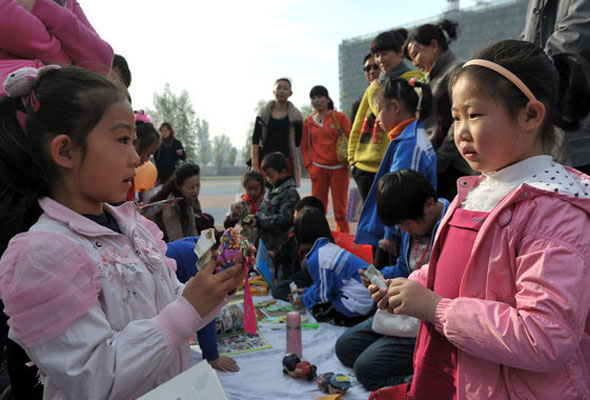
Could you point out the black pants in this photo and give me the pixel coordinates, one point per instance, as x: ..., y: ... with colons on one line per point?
x: 364, y: 180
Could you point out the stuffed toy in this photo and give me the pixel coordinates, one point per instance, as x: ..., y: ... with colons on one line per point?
x: 333, y: 383
x: 295, y: 368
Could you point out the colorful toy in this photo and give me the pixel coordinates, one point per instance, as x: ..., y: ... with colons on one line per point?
x: 247, y: 220
x: 333, y: 383
x: 295, y: 368
x: 233, y: 248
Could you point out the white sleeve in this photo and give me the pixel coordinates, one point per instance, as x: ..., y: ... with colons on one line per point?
x: 91, y: 360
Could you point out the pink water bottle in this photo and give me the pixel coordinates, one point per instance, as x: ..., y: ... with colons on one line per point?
x: 294, y: 333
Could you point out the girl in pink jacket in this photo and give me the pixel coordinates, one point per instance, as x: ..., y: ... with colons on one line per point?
x: 53, y: 31
x: 504, y: 299
x: 88, y: 290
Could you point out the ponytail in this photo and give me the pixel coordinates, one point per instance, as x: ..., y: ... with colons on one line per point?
x: 20, y: 178
x: 417, y: 102
x: 574, y: 88
x: 425, y: 100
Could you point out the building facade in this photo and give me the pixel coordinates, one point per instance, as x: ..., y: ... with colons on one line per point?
x: 479, y: 26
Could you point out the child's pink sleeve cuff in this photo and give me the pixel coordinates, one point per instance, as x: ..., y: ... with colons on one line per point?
x: 439, y: 314
x: 179, y: 321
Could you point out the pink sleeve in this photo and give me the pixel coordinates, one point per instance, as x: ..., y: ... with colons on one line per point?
x: 46, y: 283
x: 77, y: 37
x: 23, y: 35
x: 420, y: 275
x: 179, y: 320
x: 543, y: 328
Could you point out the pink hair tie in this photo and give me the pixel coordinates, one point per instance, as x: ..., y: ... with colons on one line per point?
x: 140, y: 115
x: 412, y: 82
x: 505, y: 73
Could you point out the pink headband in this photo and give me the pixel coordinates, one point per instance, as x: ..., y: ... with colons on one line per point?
x: 505, y: 73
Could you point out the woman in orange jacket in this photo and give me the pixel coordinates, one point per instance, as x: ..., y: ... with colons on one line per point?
x: 318, y: 149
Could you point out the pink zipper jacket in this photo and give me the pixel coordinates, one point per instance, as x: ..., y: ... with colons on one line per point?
x: 54, y: 34
x: 99, y: 312
x: 522, y: 322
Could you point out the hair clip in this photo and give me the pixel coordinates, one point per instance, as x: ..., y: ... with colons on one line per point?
x: 21, y: 82
x: 445, y: 34
x: 412, y: 82
x: 141, y: 116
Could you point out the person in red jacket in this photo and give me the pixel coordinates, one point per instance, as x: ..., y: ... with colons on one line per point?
x: 318, y: 149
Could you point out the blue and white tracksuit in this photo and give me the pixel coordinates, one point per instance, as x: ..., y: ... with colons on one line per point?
x: 411, y: 150
x: 336, y: 280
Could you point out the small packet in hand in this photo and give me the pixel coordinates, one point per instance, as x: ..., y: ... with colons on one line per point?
x: 204, y: 246
x: 375, y: 276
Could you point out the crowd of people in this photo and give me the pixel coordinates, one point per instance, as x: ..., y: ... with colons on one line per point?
x: 478, y: 230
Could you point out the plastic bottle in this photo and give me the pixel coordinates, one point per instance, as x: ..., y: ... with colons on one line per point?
x: 294, y: 333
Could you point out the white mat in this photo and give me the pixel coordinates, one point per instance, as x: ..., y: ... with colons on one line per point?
x: 261, y: 377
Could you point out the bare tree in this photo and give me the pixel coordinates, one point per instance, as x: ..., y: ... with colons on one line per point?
x: 221, y: 148
x: 179, y: 112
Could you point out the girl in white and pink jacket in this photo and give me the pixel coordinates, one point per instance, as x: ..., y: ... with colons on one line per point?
x: 504, y: 299
x: 88, y: 290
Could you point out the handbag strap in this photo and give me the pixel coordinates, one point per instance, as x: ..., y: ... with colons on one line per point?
x: 337, y: 123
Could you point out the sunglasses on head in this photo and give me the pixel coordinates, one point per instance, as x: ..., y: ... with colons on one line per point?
x: 369, y: 67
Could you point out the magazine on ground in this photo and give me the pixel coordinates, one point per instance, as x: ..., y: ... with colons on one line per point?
x: 231, y: 337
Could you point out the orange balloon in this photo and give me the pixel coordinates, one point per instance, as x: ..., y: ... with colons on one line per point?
x: 145, y: 176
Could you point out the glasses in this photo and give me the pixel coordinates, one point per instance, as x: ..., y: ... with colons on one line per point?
x: 374, y: 67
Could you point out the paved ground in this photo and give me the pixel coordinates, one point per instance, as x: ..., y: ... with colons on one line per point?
x: 218, y: 194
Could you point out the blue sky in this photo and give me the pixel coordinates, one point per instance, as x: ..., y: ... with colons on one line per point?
x: 227, y: 54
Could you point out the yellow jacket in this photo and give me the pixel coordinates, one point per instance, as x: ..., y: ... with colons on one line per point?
x: 366, y: 147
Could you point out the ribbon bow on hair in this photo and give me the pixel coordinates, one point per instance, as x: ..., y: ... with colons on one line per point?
x: 20, y: 83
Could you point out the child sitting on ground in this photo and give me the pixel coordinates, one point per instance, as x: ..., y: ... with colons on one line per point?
x: 292, y: 258
x: 407, y: 199
x: 275, y: 216
x: 337, y: 294
x: 250, y: 202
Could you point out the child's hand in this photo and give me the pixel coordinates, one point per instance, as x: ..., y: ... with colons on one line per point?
x: 389, y: 246
x: 410, y: 298
x: 295, y: 297
x: 205, y: 290
x: 379, y: 296
x: 224, y: 364
x: 364, y: 280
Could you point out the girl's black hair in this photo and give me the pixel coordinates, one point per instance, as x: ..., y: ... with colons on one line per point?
x: 253, y: 176
x: 405, y: 92
x: 167, y: 126
x: 310, y: 201
x: 310, y: 225
x: 560, y: 82
x: 424, y: 34
x: 389, y: 41
x: 401, y: 196
x: 72, y: 102
x: 146, y: 136
x: 321, y: 91
x: 182, y: 173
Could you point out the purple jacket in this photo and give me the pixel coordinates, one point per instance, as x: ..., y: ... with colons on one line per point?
x: 53, y: 34
x: 522, y: 321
